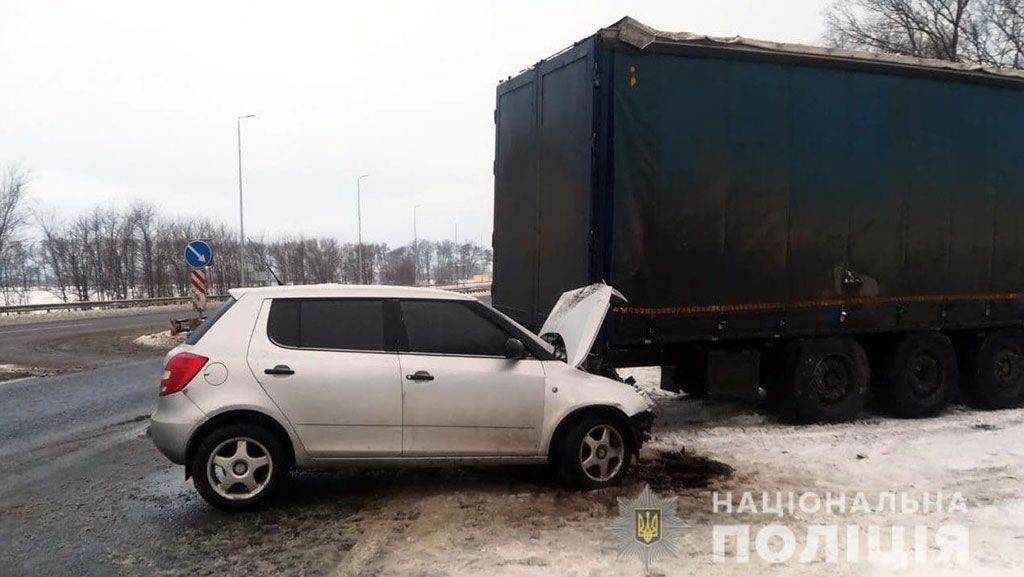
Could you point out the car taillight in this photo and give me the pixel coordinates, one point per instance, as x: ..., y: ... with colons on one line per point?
x: 179, y: 371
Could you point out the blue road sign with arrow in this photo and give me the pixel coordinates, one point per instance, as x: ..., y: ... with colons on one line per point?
x: 198, y: 254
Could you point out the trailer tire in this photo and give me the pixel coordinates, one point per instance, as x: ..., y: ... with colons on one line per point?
x: 919, y: 374
x: 993, y: 372
x: 826, y: 380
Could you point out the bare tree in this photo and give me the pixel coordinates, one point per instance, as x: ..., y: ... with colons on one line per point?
x: 13, y: 184
x: 52, y: 253
x: 324, y: 257
x: 117, y: 252
x: 989, y: 32
x: 397, y: 266
x: 14, y: 254
x: 425, y: 256
x: 1001, y: 42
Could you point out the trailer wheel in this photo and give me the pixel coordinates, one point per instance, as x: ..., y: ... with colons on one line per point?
x: 826, y: 380
x: 993, y: 373
x: 920, y: 372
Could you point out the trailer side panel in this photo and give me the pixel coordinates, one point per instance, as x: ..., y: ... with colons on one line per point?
x: 542, y: 201
x: 753, y: 199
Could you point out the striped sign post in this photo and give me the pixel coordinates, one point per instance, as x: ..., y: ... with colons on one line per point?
x: 199, y: 289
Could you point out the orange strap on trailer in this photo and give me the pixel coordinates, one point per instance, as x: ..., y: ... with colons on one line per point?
x: 816, y: 303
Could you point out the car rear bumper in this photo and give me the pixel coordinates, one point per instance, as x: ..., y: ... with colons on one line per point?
x: 172, y: 424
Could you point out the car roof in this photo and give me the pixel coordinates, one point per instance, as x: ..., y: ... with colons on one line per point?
x: 349, y: 291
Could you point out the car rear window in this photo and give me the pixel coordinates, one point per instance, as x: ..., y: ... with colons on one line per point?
x: 338, y: 324
x: 198, y: 332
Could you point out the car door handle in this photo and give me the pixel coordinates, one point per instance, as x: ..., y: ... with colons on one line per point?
x: 279, y: 370
x: 420, y: 376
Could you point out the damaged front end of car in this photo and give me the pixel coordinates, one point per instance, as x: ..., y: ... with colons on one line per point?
x: 576, y: 320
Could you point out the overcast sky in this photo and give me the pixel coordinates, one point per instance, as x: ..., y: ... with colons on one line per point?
x: 107, y: 102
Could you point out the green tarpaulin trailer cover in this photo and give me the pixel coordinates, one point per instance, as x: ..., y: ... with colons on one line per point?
x: 738, y: 189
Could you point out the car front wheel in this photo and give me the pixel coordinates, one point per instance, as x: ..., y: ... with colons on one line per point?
x: 595, y: 453
x: 237, y: 467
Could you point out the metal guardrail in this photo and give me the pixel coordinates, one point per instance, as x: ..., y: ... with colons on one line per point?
x: 99, y: 305
x: 468, y: 288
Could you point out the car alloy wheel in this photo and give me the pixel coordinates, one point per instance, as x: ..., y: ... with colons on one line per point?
x: 239, y: 468
x: 602, y: 453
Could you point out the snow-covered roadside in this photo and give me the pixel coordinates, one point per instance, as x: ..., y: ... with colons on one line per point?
x: 537, y: 528
x: 161, y: 340
x: 10, y: 372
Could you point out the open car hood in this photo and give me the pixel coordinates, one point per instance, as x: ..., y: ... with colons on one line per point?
x: 577, y: 318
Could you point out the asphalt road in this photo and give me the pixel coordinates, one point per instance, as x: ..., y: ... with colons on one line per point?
x: 84, y: 492
x: 80, y: 341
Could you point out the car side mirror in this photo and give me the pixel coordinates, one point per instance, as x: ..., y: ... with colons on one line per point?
x: 514, y: 349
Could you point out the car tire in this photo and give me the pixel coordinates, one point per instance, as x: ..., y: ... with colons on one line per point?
x: 238, y: 467
x: 825, y: 380
x: 918, y: 375
x: 595, y: 452
x: 993, y: 371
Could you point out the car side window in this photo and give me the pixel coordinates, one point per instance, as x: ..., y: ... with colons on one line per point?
x: 283, y: 322
x: 336, y: 324
x: 451, y: 328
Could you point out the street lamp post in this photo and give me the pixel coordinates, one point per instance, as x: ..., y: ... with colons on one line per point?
x: 241, y: 212
x: 359, y: 224
x: 457, y: 283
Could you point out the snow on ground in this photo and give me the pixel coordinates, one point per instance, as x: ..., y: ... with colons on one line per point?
x: 39, y: 295
x: 161, y: 340
x: 32, y: 296
x: 540, y: 529
x: 10, y: 372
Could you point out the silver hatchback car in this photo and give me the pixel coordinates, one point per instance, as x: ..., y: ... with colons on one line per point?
x: 338, y: 375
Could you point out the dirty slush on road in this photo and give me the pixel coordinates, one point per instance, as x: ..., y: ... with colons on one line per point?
x: 426, y: 522
x: 127, y: 521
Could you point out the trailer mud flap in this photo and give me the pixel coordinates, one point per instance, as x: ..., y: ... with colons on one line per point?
x: 734, y: 375
x: 716, y: 374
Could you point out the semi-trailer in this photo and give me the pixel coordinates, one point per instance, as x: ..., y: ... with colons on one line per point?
x: 811, y: 224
